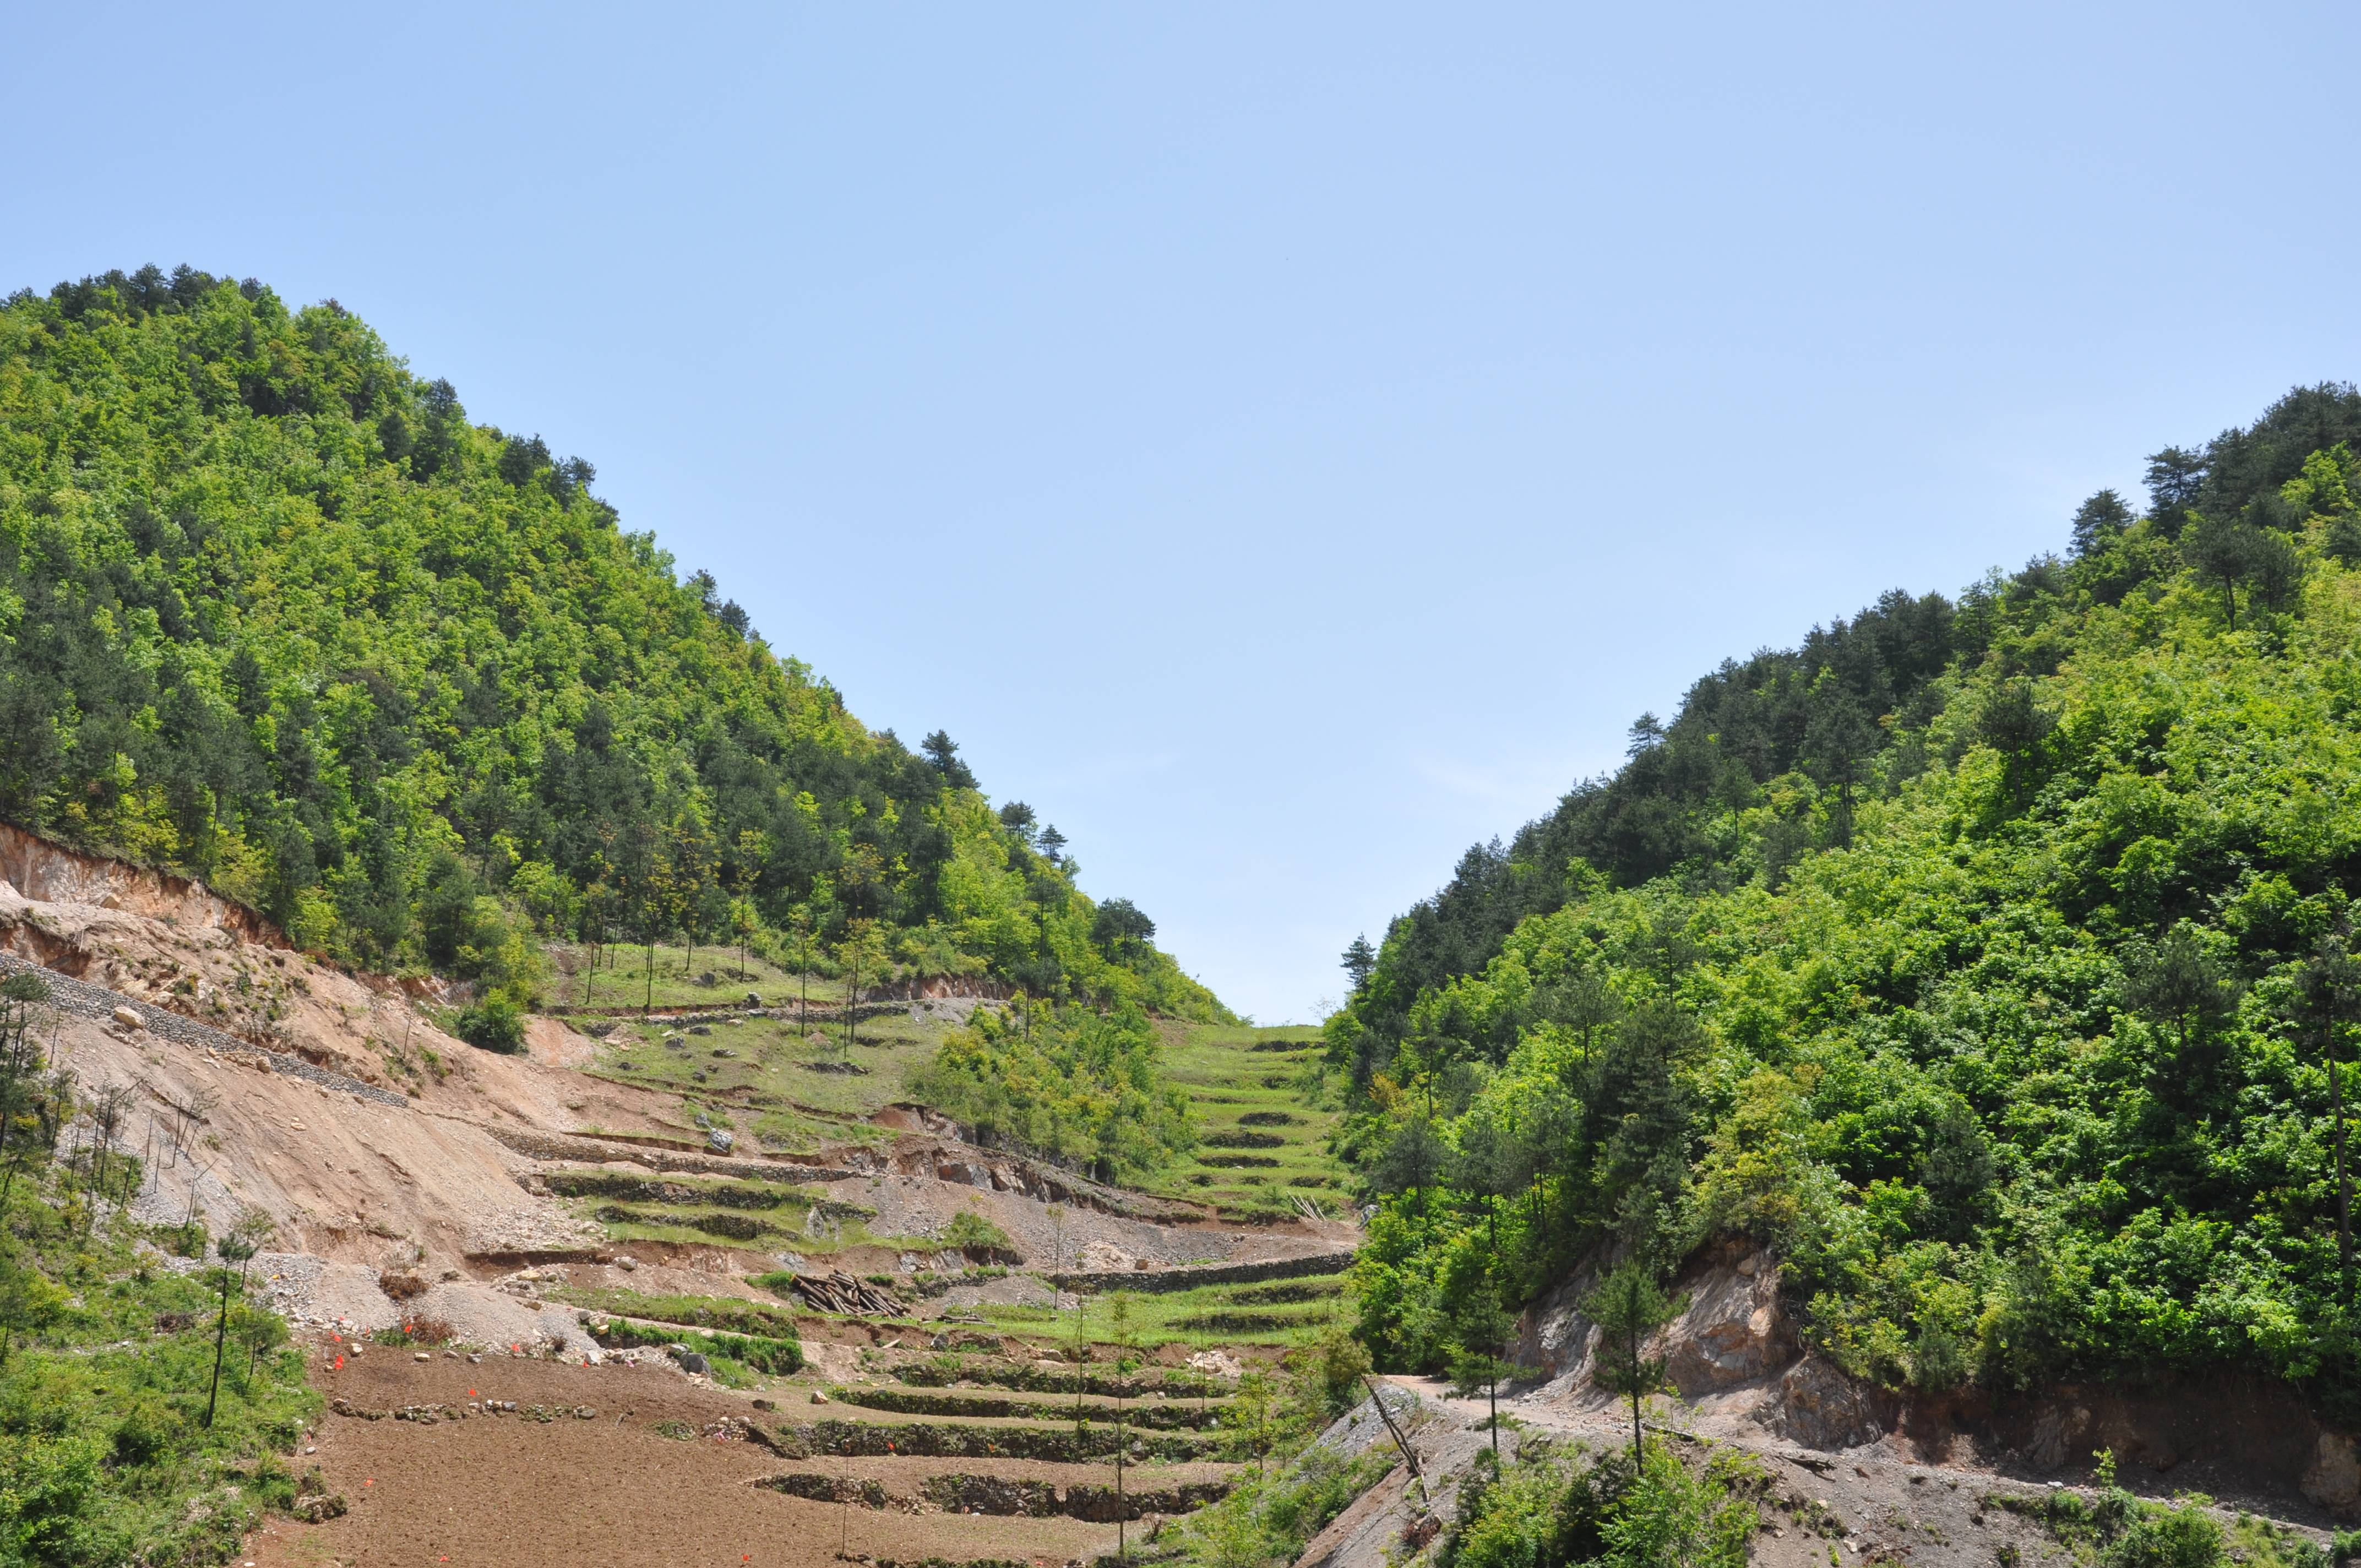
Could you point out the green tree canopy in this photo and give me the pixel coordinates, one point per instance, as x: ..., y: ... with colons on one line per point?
x: 276, y: 613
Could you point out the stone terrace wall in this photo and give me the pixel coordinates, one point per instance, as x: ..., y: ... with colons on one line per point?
x: 1157, y: 1280
x: 592, y: 1150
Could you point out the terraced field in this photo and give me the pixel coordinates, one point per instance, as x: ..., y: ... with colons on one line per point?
x: 774, y: 1082
x: 988, y: 1417
x: 1275, y: 1314
x: 1266, y: 1117
x: 949, y: 1465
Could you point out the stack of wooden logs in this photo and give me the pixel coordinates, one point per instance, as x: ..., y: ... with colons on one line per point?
x: 838, y: 1291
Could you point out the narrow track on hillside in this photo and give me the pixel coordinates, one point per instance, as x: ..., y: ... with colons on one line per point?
x: 97, y: 1002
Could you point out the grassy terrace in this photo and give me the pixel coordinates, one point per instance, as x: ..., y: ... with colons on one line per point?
x: 1265, y: 1116
x: 1264, y: 1112
x: 774, y: 1082
x: 1279, y: 1313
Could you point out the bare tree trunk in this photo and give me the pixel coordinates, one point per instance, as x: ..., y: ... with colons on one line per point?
x: 2344, y: 1176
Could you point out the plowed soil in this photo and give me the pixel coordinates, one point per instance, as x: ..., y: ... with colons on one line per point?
x: 612, y: 1490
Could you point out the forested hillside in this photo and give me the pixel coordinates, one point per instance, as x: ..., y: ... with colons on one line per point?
x: 273, y: 612
x: 1987, y: 957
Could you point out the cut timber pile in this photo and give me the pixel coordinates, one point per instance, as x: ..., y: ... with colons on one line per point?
x: 839, y: 1292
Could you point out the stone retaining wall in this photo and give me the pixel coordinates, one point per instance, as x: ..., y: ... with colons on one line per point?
x: 1156, y: 1281
x: 593, y: 1150
x: 712, y: 1011
x: 84, y: 999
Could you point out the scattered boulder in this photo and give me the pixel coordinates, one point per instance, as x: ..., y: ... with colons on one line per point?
x: 691, y: 1362
x: 129, y: 1019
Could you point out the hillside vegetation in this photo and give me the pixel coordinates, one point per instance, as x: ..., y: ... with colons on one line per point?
x: 273, y: 612
x: 1987, y: 957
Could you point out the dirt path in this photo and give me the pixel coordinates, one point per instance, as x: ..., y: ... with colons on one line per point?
x: 1880, y: 1504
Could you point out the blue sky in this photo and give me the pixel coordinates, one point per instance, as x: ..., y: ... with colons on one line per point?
x: 1283, y: 443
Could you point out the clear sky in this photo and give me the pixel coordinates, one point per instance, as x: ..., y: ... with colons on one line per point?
x: 1285, y: 444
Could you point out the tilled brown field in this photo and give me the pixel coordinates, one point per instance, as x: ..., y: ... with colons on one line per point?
x: 613, y: 1489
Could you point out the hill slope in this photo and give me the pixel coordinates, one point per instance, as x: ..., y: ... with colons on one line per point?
x: 275, y: 614
x: 1987, y: 958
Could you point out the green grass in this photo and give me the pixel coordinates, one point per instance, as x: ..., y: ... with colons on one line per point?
x: 727, y: 1315
x: 764, y: 1087
x: 622, y: 977
x: 1264, y: 1119
x: 1207, y: 1316
x: 1054, y: 1406
x: 711, y: 1212
x: 736, y: 1359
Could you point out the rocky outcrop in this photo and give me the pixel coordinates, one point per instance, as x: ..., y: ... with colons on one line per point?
x: 129, y: 1013
x: 1732, y: 1332
x: 1818, y: 1405
x: 939, y: 988
x: 2334, y: 1479
x: 1733, y: 1349
x: 51, y: 873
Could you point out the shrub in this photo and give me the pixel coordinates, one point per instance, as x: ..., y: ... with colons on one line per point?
x: 148, y: 1432
x: 495, y: 1023
x: 971, y: 1232
x: 2184, y: 1535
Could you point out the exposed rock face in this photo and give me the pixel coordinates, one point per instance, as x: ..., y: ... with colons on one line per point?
x: 1733, y: 1347
x: 1733, y: 1330
x: 2057, y: 1433
x: 938, y: 987
x: 2334, y: 1481
x: 51, y: 873
x: 1820, y: 1406
x: 1553, y: 1334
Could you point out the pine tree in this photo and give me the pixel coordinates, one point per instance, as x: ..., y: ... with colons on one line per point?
x: 2099, y: 519
x: 1360, y: 962
x: 1629, y: 1308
